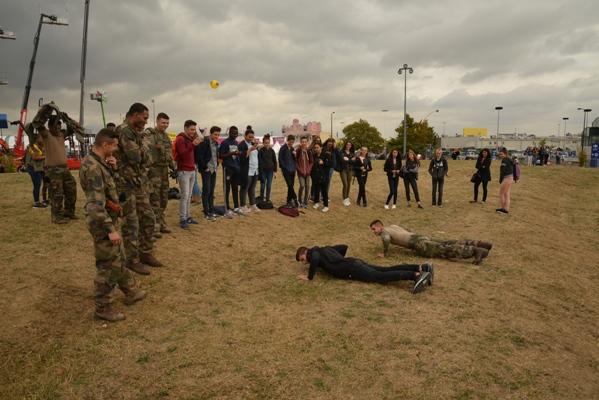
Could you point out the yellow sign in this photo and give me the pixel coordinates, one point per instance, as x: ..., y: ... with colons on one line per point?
x: 481, y: 132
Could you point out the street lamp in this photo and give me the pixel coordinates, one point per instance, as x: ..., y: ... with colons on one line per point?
x: 83, y: 64
x: 333, y: 112
x: 565, y: 122
x: 498, y: 108
x: 154, y: 111
x: 48, y: 20
x: 405, y: 70
x: 7, y: 34
x: 584, y: 125
x: 429, y: 114
x: 384, y: 125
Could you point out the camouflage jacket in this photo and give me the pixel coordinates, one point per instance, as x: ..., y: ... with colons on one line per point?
x: 133, y: 159
x: 101, y: 198
x: 160, y: 147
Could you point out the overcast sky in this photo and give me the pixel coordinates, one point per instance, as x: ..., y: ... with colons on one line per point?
x: 278, y: 60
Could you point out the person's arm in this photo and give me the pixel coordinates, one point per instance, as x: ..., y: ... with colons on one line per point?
x: 274, y: 160
x: 283, y: 156
x: 341, y: 249
x: 430, y: 166
x: 368, y: 165
x: 314, y: 263
x: 223, y: 151
x: 386, y: 238
x: 446, y: 167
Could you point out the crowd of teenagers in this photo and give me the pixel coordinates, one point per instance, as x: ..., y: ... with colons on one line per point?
x: 125, y: 180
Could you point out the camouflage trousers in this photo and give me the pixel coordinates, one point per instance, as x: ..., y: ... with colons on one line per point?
x: 110, y: 270
x: 430, y: 247
x: 159, y: 195
x: 138, y: 224
x: 63, y: 190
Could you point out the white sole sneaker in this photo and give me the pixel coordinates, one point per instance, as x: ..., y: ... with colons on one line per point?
x: 325, y: 209
x: 315, y: 206
x: 386, y: 207
x: 393, y: 207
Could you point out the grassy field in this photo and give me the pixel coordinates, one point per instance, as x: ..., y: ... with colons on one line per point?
x: 228, y: 317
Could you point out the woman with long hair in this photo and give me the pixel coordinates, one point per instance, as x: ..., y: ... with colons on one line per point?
x: 331, y: 147
x: 506, y: 179
x: 483, y: 174
x: 362, y: 167
x: 392, y: 167
x: 438, y: 169
x: 410, y: 177
x: 345, y: 165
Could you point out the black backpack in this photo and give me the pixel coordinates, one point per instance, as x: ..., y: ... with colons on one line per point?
x: 263, y: 204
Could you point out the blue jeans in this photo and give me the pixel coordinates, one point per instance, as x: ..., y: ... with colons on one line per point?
x: 265, y: 185
x: 36, y: 179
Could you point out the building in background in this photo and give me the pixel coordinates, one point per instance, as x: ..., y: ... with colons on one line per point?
x: 310, y: 129
x: 476, y: 132
x: 512, y: 141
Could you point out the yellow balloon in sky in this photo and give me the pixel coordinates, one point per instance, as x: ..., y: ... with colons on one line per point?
x: 214, y: 84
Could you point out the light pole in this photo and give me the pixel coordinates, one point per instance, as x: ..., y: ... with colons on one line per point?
x: 565, y: 122
x: 405, y: 70
x: 384, y: 124
x: 498, y: 108
x: 83, y: 63
x: 333, y: 112
x: 584, y: 125
x: 48, y: 20
x: 154, y: 111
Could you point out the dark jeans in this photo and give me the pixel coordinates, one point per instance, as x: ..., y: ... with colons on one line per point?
x: 321, y: 188
x: 266, y: 185
x: 438, y: 186
x: 411, y: 181
x: 361, y: 271
x: 36, y: 178
x: 361, y: 188
x: 208, y: 185
x: 393, y: 182
x: 249, y: 190
x: 231, y: 185
x: 476, y: 185
x: 290, y: 181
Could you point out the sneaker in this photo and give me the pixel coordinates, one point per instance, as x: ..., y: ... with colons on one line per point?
x: 421, y: 283
x: 316, y: 205
x: 255, y: 208
x: 420, y: 205
x: 386, y: 206
x: 428, y: 267
x: 440, y: 205
x: 408, y: 205
x: 229, y: 214
x: 192, y: 221
x: 393, y: 207
x: 434, y: 204
x: 209, y: 218
x: 184, y: 225
x: 325, y: 209
x: 246, y: 209
x: 239, y: 211
x: 474, y: 201
x: 38, y: 205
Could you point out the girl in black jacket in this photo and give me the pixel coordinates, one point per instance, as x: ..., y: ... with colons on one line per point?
x: 438, y: 169
x: 410, y: 177
x: 392, y: 168
x: 320, y: 176
x: 362, y: 166
x: 483, y: 174
x: 267, y: 166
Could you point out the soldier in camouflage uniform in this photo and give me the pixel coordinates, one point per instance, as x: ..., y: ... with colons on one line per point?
x: 429, y: 247
x: 102, y: 210
x: 133, y: 166
x: 160, y: 147
x: 63, y: 188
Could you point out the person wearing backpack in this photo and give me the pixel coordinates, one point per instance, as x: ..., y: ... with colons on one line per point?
x: 438, y: 170
x: 506, y: 179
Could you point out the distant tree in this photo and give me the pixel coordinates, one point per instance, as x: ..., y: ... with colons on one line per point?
x: 361, y: 133
x: 420, y: 136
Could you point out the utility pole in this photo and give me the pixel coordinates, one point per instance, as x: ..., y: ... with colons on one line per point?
x: 83, y: 64
x: 332, y: 123
x: 498, y: 108
x: 154, y: 111
x: 405, y: 70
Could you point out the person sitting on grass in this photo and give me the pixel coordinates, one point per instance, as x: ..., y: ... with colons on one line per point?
x: 429, y: 247
x: 332, y: 260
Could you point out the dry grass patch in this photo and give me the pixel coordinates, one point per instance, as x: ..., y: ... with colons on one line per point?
x: 228, y: 317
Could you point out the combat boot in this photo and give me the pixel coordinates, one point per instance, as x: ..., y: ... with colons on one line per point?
x: 134, y: 295
x: 157, y: 235
x: 107, y: 313
x: 149, y: 259
x: 60, y: 220
x: 138, y: 267
x: 479, y: 255
x: 164, y: 229
x: 484, y: 245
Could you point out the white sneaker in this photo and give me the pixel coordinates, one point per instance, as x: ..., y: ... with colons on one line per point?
x: 393, y: 207
x: 255, y: 208
x: 348, y: 202
x: 246, y: 209
x: 316, y: 205
x: 386, y: 206
x: 325, y: 209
